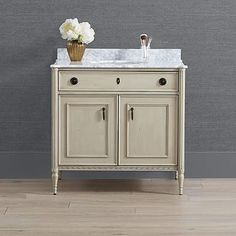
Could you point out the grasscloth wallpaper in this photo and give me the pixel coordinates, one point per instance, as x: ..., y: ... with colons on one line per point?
x: 204, y: 30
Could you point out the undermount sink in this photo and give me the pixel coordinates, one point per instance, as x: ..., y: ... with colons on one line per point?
x: 117, y: 62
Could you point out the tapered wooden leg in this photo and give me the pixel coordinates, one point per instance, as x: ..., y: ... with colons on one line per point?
x: 181, y: 133
x: 176, y: 174
x: 181, y: 182
x: 54, y: 181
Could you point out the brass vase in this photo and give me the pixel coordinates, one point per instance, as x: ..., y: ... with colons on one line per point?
x: 75, y: 50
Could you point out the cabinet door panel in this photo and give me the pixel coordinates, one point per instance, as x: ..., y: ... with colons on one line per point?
x: 87, y: 130
x: 148, y: 130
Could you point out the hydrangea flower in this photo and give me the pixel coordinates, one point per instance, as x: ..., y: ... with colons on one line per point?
x: 71, y: 29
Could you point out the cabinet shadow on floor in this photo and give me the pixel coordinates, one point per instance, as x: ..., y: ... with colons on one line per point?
x: 118, y: 185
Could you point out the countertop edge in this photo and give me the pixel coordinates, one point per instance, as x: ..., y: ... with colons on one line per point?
x: 119, y: 68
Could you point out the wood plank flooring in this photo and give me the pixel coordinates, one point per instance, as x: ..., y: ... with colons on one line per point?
x: 118, y: 207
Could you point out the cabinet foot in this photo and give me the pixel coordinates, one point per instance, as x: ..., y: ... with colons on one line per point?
x: 54, y: 181
x: 181, y: 183
x: 176, y: 175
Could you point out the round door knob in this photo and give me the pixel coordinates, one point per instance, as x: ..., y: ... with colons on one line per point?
x: 118, y: 80
x: 74, y: 80
x: 162, y: 81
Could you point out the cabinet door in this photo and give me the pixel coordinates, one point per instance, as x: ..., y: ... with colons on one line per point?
x: 148, y: 130
x: 87, y: 130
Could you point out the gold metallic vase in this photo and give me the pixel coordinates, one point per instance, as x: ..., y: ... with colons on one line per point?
x: 75, y: 50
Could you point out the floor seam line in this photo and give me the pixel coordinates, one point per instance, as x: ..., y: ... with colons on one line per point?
x: 5, y: 211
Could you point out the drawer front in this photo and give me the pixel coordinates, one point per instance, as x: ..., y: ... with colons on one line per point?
x: 118, y: 81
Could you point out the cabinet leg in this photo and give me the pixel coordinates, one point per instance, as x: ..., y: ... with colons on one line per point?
x: 176, y: 175
x: 181, y: 182
x: 54, y: 181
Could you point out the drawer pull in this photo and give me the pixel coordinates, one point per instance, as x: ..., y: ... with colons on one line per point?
x: 132, y: 113
x: 162, y: 81
x: 118, y: 80
x: 74, y: 81
x: 103, y: 113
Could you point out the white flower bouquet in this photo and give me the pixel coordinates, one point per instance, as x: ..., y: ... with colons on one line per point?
x: 71, y: 30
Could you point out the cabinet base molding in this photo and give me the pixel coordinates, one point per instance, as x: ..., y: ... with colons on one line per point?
x: 119, y: 168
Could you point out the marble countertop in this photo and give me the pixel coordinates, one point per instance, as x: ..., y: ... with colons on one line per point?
x: 95, y: 58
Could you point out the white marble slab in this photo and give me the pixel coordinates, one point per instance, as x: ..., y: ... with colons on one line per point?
x: 122, y: 58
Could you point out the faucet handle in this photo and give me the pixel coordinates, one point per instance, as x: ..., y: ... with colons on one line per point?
x: 149, y: 41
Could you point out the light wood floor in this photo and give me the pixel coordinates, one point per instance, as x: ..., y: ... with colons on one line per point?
x: 118, y: 207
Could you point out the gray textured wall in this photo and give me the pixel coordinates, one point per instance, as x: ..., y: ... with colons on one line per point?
x: 205, y: 30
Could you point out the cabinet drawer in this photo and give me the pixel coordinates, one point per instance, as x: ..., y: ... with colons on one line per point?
x: 118, y: 81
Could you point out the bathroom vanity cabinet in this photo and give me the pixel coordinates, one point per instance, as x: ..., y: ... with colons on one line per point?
x: 117, y: 117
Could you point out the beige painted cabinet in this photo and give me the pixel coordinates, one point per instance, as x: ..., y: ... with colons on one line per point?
x: 118, y: 120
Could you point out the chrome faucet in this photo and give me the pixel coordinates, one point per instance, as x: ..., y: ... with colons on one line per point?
x: 145, y: 41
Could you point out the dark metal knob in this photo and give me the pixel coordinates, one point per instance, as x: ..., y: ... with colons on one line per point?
x: 74, y: 80
x: 117, y: 80
x: 162, y: 81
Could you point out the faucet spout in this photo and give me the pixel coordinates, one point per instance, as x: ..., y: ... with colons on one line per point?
x: 145, y: 41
